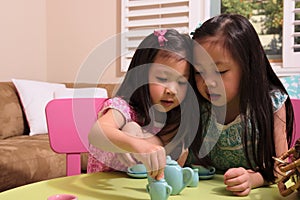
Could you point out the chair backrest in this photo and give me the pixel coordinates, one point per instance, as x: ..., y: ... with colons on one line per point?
x: 69, y: 122
x: 296, y: 107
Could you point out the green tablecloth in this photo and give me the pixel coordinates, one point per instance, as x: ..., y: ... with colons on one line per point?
x: 119, y: 186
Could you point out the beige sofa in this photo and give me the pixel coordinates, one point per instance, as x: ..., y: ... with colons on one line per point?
x: 26, y: 159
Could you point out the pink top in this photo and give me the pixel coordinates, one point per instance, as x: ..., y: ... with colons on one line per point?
x: 100, y: 160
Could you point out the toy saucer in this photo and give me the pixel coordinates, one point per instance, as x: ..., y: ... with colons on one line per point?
x: 137, y: 175
x: 205, y: 177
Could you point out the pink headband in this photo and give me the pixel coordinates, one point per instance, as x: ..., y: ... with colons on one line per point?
x: 160, y: 36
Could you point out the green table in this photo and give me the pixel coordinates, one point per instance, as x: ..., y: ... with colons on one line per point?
x: 119, y: 186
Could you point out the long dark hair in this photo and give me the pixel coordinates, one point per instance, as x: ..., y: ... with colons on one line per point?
x: 134, y: 89
x: 239, y: 37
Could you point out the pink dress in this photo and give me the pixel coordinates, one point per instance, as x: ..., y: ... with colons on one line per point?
x: 100, y: 160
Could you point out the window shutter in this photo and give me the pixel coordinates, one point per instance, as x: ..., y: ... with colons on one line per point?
x: 291, y: 35
x: 142, y: 17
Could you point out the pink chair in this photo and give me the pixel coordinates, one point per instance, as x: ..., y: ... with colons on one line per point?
x: 69, y: 122
x: 296, y: 107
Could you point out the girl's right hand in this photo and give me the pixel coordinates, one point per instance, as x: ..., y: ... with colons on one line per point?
x: 154, y: 160
x: 149, y: 150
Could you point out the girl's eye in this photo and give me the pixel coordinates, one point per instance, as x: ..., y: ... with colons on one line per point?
x: 222, y: 72
x: 182, y: 82
x: 198, y: 73
x: 161, y: 79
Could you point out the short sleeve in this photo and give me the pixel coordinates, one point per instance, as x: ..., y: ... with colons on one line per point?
x: 278, y: 99
x: 120, y: 105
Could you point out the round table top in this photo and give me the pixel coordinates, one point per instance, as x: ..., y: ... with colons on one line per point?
x: 119, y: 186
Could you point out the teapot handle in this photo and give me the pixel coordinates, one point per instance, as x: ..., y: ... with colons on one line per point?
x: 187, y: 175
x: 169, y: 190
x: 147, y: 188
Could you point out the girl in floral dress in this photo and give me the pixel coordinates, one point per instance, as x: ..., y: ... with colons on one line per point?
x: 149, y: 115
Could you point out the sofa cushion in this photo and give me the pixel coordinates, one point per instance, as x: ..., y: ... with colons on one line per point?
x: 28, y: 159
x: 111, y: 88
x: 34, y: 96
x: 64, y: 93
x: 11, y: 115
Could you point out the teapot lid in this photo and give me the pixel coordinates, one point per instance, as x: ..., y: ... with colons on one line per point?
x: 169, y: 161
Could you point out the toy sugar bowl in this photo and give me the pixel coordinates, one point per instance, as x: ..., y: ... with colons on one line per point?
x: 158, y: 189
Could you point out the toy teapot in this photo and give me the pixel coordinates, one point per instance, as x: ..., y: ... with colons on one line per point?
x: 176, y: 176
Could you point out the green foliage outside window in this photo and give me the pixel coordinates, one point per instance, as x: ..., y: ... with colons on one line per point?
x: 271, y: 9
x: 274, y: 16
x: 271, y: 22
x: 244, y: 8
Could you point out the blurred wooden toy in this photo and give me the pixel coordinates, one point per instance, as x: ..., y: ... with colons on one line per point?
x: 290, y: 170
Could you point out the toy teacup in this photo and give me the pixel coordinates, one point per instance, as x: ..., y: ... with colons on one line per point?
x: 137, y: 169
x: 205, y: 172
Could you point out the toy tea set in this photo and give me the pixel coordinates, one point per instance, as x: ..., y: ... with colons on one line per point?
x: 175, y: 180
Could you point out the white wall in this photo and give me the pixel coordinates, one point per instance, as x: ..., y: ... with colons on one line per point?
x: 50, y: 39
x: 23, y: 39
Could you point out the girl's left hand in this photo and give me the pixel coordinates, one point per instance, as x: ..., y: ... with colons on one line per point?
x: 238, y: 181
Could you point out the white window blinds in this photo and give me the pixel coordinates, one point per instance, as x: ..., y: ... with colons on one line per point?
x: 291, y: 35
x: 142, y: 17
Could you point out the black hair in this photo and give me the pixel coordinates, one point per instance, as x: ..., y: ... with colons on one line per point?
x: 134, y: 89
x: 238, y: 36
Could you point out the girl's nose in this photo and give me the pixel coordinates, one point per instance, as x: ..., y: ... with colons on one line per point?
x: 171, y: 89
x: 211, y: 83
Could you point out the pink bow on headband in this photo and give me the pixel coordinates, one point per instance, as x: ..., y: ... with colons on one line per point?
x: 160, y: 36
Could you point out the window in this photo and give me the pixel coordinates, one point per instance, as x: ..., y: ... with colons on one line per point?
x: 291, y: 36
x: 276, y: 23
x: 141, y: 17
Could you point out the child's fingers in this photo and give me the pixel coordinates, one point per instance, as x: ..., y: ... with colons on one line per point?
x: 236, y: 180
x: 161, y: 163
x: 154, y: 165
x: 237, y: 188
x: 242, y: 189
x: 235, y: 174
x: 242, y: 193
x: 154, y: 161
x: 160, y: 174
x: 158, y: 162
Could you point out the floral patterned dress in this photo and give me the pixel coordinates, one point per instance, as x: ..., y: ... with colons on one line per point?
x: 223, y: 143
x: 100, y: 160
